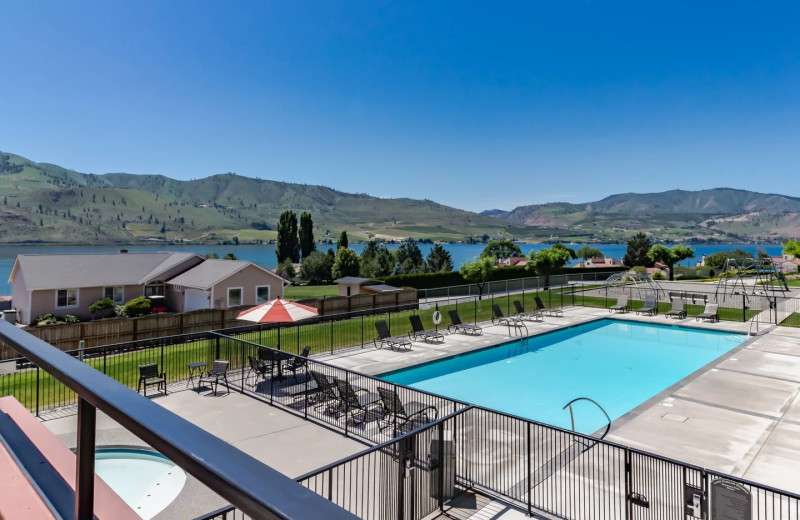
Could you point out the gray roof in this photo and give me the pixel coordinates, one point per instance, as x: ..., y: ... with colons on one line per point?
x: 211, y: 272
x: 42, y: 272
x: 356, y: 280
x: 381, y: 288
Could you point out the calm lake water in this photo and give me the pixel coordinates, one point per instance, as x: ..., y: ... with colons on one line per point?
x: 264, y: 255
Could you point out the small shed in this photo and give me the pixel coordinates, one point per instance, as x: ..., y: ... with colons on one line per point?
x: 353, y: 285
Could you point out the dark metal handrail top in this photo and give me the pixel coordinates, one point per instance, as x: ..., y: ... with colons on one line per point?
x: 252, y: 486
x: 385, y: 444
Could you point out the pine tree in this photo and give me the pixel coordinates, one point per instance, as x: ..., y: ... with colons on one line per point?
x: 288, y: 245
x: 439, y: 259
x: 342, y: 242
x: 306, y: 234
x: 636, y: 254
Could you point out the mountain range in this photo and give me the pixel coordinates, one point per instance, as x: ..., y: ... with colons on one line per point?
x: 44, y: 202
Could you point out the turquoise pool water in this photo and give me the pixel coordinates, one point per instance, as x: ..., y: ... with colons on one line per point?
x: 145, y: 480
x: 619, y: 364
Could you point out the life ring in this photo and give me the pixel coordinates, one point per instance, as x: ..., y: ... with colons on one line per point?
x: 437, y: 317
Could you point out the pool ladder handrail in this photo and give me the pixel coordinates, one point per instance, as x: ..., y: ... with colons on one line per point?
x: 572, y: 414
x: 753, y: 320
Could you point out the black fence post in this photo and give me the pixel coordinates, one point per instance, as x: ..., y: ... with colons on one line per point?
x: 84, y: 472
x: 440, y: 473
x: 347, y: 406
x: 331, y: 337
x: 217, y: 348
x: 628, y: 485
x: 362, y: 331
x: 241, y: 345
x: 37, y: 390
x: 744, y: 307
x: 528, y: 473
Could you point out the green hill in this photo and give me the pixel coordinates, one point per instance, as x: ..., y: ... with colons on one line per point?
x: 47, y: 203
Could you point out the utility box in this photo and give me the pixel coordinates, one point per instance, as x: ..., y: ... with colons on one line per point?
x: 10, y: 315
x: 443, y: 465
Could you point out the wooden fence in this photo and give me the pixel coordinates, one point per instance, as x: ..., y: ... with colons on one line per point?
x: 119, y: 330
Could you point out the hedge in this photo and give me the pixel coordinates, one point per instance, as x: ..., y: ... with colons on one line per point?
x: 451, y: 278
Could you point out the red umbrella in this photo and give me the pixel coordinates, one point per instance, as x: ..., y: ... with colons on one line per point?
x: 278, y: 311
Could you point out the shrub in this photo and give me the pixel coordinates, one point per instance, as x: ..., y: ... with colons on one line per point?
x: 137, y: 307
x: 101, y: 305
x: 658, y: 275
x: 119, y: 311
x: 639, y: 269
x: 44, y: 319
x: 69, y: 318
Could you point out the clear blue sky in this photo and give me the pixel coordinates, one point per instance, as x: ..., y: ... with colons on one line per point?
x: 473, y: 105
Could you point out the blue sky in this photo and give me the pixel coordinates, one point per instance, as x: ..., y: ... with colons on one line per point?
x: 475, y: 105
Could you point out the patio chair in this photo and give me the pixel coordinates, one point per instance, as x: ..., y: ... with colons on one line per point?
x: 418, y: 330
x: 524, y: 315
x: 266, y: 358
x: 710, y: 313
x: 508, y: 321
x: 457, y: 325
x: 325, y: 394
x: 219, y: 371
x: 257, y: 369
x: 384, y: 338
x: 621, y: 306
x: 553, y: 311
x: 396, y: 413
x: 649, y: 307
x: 678, y: 310
x: 353, y: 401
x: 298, y: 362
x: 149, y: 376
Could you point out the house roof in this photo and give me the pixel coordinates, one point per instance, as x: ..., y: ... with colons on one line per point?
x: 380, y: 288
x: 356, y: 280
x: 43, y: 272
x: 209, y: 273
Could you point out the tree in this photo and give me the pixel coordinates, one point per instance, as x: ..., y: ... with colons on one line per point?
x: 477, y: 271
x: 306, y: 234
x: 213, y: 256
x: 410, y: 258
x: 660, y: 253
x: 587, y: 252
x: 501, y: 249
x: 549, y: 261
x: 330, y: 258
x: 439, y: 259
x: 376, y: 260
x: 792, y: 247
x: 287, y: 245
x: 636, y: 254
x: 342, y: 243
x: 286, y: 270
x: 717, y: 260
x: 346, y: 263
x: 229, y: 256
x: 314, y: 268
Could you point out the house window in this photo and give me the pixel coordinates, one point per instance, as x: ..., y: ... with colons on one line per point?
x: 115, y: 293
x: 67, y: 298
x: 262, y: 294
x: 234, y: 296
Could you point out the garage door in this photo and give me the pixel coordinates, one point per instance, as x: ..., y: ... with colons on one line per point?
x: 194, y: 300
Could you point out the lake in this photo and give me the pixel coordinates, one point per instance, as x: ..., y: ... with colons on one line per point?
x: 264, y: 255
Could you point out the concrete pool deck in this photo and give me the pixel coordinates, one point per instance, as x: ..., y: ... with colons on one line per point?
x: 739, y: 415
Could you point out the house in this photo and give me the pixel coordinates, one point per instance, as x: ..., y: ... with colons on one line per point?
x: 785, y: 263
x: 69, y: 284
x: 659, y: 267
x: 599, y: 262
x: 352, y: 285
x: 513, y: 260
x: 220, y: 284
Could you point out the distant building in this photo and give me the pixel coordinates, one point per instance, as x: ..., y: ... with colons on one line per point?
x: 512, y: 261
x: 659, y: 267
x: 785, y: 263
x: 352, y: 285
x: 599, y: 262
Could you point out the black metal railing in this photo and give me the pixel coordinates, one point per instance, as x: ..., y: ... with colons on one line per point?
x: 250, y: 485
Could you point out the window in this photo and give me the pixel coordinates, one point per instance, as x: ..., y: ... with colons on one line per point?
x: 115, y: 293
x: 67, y: 298
x: 262, y: 294
x: 234, y: 296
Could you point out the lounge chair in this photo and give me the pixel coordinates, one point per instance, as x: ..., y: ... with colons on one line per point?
x: 678, y: 310
x: 149, y: 376
x: 621, y: 306
x: 396, y: 413
x: 554, y: 311
x: 508, y: 321
x: 385, y: 338
x: 257, y: 369
x: 354, y: 401
x: 649, y: 307
x: 457, y: 325
x: 523, y: 315
x: 219, y: 371
x: 324, y: 393
x: 298, y: 362
x: 710, y: 313
x: 418, y: 330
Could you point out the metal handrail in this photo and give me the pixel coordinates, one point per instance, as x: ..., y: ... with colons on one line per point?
x: 572, y: 414
x: 251, y: 485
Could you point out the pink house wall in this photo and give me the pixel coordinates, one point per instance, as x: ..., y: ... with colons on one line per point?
x: 248, y: 279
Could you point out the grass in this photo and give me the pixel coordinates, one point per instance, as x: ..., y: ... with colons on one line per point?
x: 303, y: 292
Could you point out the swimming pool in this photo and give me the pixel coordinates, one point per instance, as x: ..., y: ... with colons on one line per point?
x: 619, y: 364
x: 147, y: 481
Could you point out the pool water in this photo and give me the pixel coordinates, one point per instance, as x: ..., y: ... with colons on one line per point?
x: 619, y: 364
x: 145, y: 480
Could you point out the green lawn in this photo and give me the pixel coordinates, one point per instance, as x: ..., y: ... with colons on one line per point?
x: 304, y: 292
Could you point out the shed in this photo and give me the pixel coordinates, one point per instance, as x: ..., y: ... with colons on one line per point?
x: 353, y: 285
